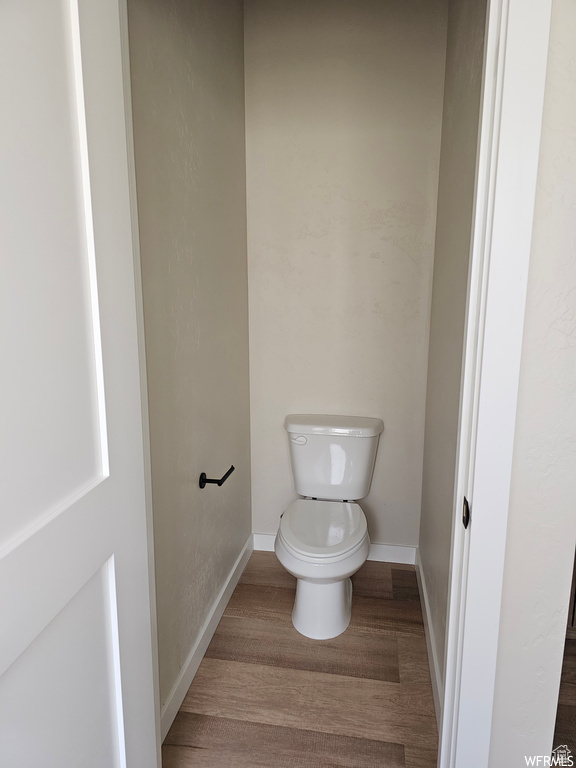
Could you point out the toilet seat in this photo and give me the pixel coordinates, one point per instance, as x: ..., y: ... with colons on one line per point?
x: 324, y: 531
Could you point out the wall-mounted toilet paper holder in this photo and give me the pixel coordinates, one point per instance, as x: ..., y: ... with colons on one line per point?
x: 204, y: 480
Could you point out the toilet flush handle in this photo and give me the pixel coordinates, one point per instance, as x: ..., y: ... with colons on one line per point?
x: 298, y: 439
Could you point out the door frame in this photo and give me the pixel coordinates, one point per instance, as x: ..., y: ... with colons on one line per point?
x: 139, y: 298
x: 514, y: 75
x: 515, y: 63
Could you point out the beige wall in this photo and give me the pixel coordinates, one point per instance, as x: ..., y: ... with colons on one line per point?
x: 343, y: 111
x: 464, y: 61
x: 542, y: 520
x: 187, y: 81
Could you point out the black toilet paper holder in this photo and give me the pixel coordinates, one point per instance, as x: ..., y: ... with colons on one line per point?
x: 204, y: 480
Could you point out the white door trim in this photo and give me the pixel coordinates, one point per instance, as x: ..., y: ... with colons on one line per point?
x: 131, y: 172
x: 510, y: 126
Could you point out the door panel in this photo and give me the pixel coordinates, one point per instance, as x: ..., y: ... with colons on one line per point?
x: 46, y: 682
x: 76, y: 669
x: 48, y: 341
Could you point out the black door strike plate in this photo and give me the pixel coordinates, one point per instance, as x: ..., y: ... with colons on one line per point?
x: 465, y: 513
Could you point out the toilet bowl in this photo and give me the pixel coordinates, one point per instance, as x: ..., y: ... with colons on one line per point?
x: 323, y: 538
x: 322, y: 544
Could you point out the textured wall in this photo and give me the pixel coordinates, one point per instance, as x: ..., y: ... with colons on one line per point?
x: 187, y: 80
x: 464, y: 60
x: 542, y: 523
x: 343, y: 111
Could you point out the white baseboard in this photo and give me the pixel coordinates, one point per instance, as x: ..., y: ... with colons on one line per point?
x: 184, y: 680
x: 382, y: 553
x: 392, y: 553
x: 264, y: 542
x: 437, y: 684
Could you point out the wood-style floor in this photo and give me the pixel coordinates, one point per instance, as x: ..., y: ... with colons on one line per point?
x: 265, y: 696
x: 565, y: 732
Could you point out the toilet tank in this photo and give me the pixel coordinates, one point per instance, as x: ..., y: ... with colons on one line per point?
x: 332, y: 456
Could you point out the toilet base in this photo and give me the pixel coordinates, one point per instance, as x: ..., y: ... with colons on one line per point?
x: 322, y: 611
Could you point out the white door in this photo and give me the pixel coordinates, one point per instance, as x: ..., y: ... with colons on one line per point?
x: 76, y: 670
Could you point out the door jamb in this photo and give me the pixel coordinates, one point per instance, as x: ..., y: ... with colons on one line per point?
x: 127, y: 90
x: 515, y: 62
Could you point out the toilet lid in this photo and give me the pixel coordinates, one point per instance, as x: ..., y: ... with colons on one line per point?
x: 323, y: 528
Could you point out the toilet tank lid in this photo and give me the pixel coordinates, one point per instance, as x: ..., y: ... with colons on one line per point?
x: 319, y: 424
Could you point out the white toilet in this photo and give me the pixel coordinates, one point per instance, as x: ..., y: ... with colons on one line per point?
x: 323, y: 538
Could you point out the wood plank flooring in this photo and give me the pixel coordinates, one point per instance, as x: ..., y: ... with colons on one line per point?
x: 266, y: 696
x: 565, y: 732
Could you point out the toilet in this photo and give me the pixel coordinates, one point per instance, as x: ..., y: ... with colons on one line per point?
x: 323, y: 537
